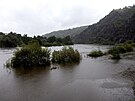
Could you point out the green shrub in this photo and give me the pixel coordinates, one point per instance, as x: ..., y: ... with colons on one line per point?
x: 32, y: 55
x: 119, y: 49
x: 96, y: 53
x: 128, y: 47
x: 66, y: 55
x: 115, y: 56
x: 116, y: 50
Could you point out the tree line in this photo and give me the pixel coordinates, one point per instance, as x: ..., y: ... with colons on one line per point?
x: 13, y: 39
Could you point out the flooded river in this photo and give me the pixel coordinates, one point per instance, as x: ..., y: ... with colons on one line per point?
x: 93, y: 79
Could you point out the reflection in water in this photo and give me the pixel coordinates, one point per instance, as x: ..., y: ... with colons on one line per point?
x: 89, y: 80
x: 25, y: 71
x: 39, y: 84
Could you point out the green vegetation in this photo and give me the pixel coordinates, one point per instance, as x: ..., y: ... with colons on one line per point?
x: 120, y: 49
x: 115, y: 51
x: 66, y: 55
x: 116, y: 27
x: 13, y: 40
x: 10, y: 40
x: 53, y: 41
x: 96, y: 53
x: 31, y: 55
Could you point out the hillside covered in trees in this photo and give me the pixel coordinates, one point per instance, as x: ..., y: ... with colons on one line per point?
x: 118, y: 26
x: 13, y: 40
x: 69, y: 32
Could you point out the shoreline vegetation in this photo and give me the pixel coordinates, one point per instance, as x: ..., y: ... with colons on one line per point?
x: 12, y: 40
x: 66, y: 55
x: 34, y: 56
x: 31, y: 55
x: 116, y: 51
x: 95, y: 53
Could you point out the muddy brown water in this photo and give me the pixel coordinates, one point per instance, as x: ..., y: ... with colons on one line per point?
x: 93, y: 79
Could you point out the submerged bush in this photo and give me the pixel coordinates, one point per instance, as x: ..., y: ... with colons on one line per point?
x: 115, y: 56
x: 66, y: 55
x: 96, y: 53
x: 115, y: 51
x: 128, y: 47
x: 31, y: 55
x: 120, y: 49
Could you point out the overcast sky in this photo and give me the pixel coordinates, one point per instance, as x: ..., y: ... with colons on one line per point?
x: 37, y: 17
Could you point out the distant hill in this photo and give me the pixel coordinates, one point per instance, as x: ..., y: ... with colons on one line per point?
x: 117, y: 26
x: 67, y: 32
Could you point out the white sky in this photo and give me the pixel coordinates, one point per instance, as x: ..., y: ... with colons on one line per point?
x: 37, y: 17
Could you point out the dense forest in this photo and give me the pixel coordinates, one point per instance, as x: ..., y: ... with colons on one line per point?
x: 117, y: 27
x: 13, y: 40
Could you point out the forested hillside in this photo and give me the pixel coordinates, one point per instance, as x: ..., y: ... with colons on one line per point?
x: 118, y: 26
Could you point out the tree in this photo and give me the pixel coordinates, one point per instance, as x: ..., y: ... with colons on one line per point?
x: 51, y: 39
x: 67, y: 40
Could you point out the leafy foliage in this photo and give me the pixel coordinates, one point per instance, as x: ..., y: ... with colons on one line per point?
x: 10, y: 40
x: 96, y: 53
x: 13, y: 40
x: 66, y: 55
x: 123, y: 48
x: 119, y: 49
x: 53, y: 41
x: 115, y: 52
x: 32, y: 55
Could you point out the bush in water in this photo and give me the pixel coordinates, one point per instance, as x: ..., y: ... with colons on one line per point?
x: 66, y: 55
x: 96, y: 53
x: 119, y: 49
x: 31, y: 55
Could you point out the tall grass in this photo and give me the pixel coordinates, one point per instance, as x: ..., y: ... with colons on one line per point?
x: 66, y: 55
